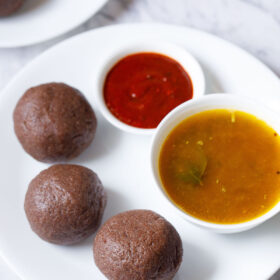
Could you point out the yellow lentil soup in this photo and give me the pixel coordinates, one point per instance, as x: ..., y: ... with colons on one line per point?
x: 222, y: 166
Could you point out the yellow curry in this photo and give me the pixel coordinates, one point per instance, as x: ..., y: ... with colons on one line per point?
x: 222, y: 166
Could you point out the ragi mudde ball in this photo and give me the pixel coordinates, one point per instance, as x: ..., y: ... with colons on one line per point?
x: 138, y: 245
x: 54, y: 122
x: 8, y: 7
x: 64, y: 204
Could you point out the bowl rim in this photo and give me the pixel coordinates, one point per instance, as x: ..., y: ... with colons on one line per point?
x: 121, y: 50
x: 188, y: 107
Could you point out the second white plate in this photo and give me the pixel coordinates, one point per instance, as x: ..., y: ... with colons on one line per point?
x: 40, y: 20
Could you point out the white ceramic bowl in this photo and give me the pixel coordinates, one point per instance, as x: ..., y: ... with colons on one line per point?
x: 119, y: 51
x: 212, y: 101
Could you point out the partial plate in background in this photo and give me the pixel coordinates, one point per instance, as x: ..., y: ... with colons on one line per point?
x: 41, y: 20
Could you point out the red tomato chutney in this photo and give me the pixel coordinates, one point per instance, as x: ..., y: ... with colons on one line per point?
x: 142, y: 88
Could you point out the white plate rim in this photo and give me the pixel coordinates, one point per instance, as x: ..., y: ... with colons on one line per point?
x: 132, y: 25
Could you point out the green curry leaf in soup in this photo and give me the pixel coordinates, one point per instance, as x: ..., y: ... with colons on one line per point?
x: 193, y: 169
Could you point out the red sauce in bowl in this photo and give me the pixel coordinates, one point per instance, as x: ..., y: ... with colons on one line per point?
x: 141, y: 89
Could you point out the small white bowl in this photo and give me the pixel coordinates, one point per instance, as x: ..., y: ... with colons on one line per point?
x: 212, y: 101
x: 119, y: 51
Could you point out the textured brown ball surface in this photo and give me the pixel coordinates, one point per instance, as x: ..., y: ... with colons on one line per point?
x: 54, y: 122
x: 138, y: 245
x: 8, y: 7
x: 64, y: 204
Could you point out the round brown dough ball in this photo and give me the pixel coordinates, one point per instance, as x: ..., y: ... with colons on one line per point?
x: 54, y: 122
x: 8, y: 7
x: 64, y: 204
x: 138, y: 245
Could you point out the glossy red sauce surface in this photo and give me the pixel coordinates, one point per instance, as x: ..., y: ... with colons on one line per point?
x: 141, y: 89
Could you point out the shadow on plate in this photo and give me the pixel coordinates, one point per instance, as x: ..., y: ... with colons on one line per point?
x: 270, y: 228
x: 116, y: 203
x: 197, y: 264
x: 212, y: 84
x: 31, y: 5
x: 106, y: 138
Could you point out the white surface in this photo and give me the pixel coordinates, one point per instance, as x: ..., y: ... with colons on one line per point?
x: 40, y: 20
x: 210, y: 102
x: 122, y: 162
x: 118, y: 51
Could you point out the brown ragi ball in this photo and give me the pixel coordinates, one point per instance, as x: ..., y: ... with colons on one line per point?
x: 138, y: 245
x: 8, y: 7
x: 64, y: 204
x: 54, y: 122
